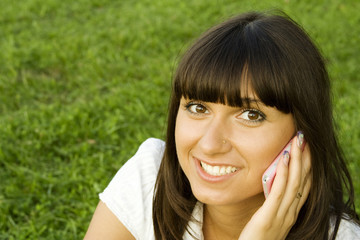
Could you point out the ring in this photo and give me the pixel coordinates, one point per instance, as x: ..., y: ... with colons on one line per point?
x: 298, y: 195
x: 224, y: 141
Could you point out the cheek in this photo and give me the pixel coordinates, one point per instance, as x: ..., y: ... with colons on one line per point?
x: 260, y: 151
x: 186, y: 131
x: 180, y: 133
x: 182, y: 138
x: 261, y: 148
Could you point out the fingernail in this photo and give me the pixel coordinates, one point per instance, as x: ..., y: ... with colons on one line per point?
x: 300, y: 139
x: 286, y: 157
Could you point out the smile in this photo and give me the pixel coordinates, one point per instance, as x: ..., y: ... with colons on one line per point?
x: 217, y: 170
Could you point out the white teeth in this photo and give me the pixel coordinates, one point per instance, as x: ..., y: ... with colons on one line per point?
x: 218, y: 170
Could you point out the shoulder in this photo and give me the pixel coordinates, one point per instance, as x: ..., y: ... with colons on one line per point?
x: 146, y: 160
x: 152, y: 147
x: 348, y: 230
x: 129, y: 194
x: 152, y: 143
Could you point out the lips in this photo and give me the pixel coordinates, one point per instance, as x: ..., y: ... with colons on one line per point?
x: 215, y: 172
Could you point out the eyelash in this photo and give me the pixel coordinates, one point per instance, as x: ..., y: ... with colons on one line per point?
x: 188, y: 105
x: 261, y: 114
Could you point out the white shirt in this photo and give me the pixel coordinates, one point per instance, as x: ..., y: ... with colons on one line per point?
x: 130, y: 194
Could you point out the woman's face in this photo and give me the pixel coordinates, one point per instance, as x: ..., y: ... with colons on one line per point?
x: 224, y: 150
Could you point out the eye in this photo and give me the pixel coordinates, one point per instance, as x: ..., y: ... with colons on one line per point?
x: 196, y: 108
x: 252, y: 115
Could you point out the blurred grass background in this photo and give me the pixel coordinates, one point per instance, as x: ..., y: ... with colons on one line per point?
x: 83, y: 83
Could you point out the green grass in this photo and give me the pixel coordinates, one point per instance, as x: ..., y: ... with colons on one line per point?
x: 83, y: 83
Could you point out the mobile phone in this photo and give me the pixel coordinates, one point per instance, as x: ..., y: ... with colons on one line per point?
x: 270, y: 172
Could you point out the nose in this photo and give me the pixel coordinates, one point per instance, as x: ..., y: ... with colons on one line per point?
x: 215, y: 138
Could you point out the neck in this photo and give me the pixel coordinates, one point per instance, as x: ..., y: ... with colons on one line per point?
x: 228, y: 221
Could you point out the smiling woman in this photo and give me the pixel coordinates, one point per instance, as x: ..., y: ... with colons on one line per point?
x: 243, y: 91
x: 199, y: 142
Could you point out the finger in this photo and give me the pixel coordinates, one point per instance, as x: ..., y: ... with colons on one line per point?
x: 306, y: 160
x: 307, y: 177
x: 294, y: 184
x: 305, y: 185
x: 306, y: 172
x: 305, y: 193
x: 294, y: 210
x: 274, y: 199
x: 301, y: 196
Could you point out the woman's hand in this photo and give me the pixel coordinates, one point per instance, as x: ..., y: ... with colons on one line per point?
x: 289, y: 192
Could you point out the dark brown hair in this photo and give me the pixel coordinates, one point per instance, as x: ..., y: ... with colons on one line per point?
x: 286, y: 71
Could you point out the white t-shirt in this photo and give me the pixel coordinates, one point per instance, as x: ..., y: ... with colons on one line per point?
x: 130, y: 194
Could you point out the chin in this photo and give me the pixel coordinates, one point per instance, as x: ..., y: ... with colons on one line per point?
x: 221, y: 198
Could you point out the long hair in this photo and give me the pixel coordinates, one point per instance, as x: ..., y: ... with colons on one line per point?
x: 286, y: 71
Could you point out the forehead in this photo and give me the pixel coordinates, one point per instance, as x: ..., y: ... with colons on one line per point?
x: 229, y: 90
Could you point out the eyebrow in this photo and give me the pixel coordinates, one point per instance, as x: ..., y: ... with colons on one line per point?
x: 251, y: 100
x: 245, y: 100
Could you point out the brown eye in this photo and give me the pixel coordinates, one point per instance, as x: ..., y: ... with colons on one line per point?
x: 252, y: 116
x: 197, y: 108
x: 200, y: 109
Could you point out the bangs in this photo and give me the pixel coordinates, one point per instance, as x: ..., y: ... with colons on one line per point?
x: 229, y: 61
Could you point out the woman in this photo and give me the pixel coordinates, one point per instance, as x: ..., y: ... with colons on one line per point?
x: 244, y: 90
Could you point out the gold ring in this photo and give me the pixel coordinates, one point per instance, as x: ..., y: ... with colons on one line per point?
x: 298, y: 195
x: 224, y: 141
